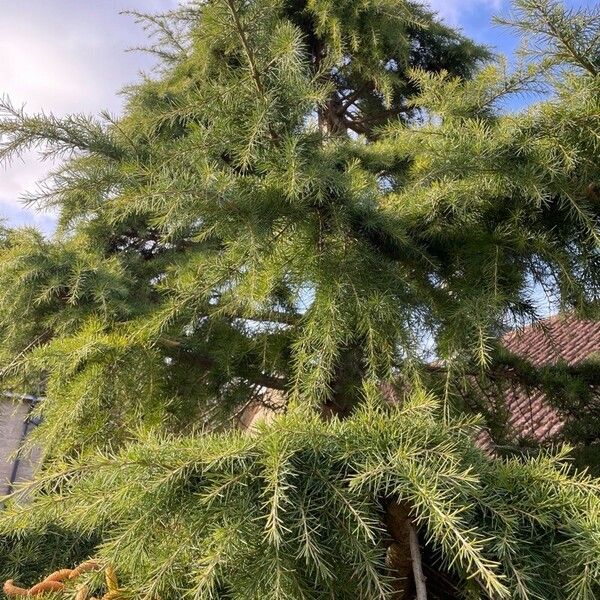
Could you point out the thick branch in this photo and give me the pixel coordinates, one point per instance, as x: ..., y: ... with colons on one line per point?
x: 272, y: 316
x: 206, y: 363
x: 417, y: 565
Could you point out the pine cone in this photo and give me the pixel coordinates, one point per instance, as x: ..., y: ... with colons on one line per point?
x: 45, y: 587
x: 84, y: 567
x: 10, y: 589
x: 82, y: 593
x: 60, y: 575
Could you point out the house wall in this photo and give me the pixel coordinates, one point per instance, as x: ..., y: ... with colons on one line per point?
x: 15, y: 467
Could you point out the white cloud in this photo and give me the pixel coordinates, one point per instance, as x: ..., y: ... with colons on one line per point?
x: 64, y: 56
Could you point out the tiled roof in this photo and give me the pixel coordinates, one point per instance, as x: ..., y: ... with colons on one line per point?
x: 562, y: 338
x: 559, y: 338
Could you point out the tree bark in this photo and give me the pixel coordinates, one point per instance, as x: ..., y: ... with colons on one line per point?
x: 398, y: 553
x: 417, y: 566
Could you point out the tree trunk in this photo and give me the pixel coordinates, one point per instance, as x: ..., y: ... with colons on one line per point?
x: 398, y: 553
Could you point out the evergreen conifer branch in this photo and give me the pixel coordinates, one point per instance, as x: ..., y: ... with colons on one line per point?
x: 56, y: 136
x: 203, y: 272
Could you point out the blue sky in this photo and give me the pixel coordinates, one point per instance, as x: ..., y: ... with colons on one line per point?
x: 67, y: 56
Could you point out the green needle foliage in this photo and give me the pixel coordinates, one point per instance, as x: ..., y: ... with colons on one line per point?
x: 294, y: 511
x: 301, y: 207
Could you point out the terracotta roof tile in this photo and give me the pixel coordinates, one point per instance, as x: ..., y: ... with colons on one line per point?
x: 559, y: 338
x: 562, y: 338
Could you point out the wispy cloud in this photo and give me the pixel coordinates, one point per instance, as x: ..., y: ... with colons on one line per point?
x: 64, y: 56
x: 457, y: 12
x: 21, y: 216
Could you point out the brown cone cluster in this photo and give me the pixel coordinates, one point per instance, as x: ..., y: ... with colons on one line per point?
x: 55, y: 582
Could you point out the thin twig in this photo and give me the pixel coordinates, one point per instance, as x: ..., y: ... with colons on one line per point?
x: 247, y: 48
